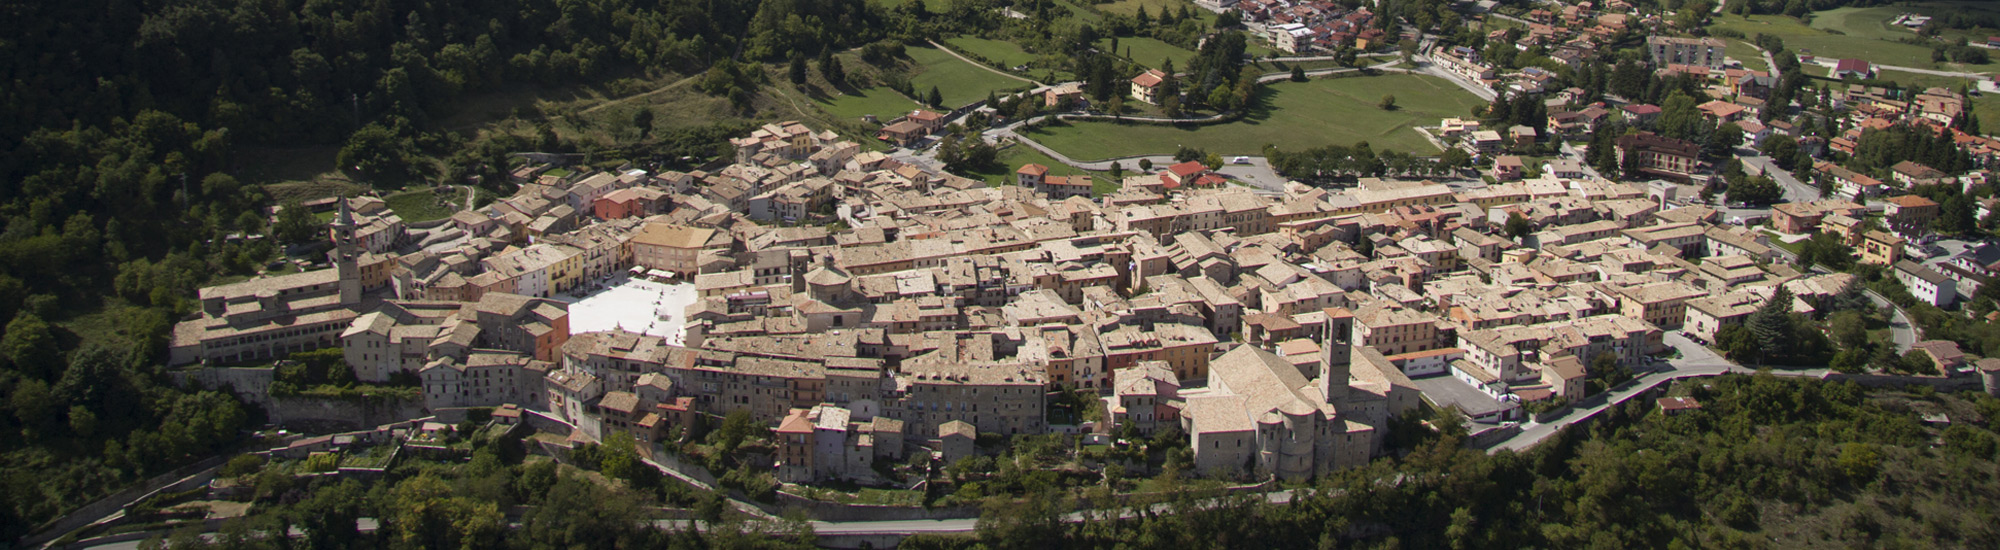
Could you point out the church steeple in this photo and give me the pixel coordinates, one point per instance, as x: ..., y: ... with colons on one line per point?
x: 347, y: 255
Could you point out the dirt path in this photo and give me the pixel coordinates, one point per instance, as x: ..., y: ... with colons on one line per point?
x: 983, y: 65
x: 674, y: 84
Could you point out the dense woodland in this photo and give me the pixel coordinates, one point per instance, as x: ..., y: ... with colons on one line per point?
x: 1766, y: 463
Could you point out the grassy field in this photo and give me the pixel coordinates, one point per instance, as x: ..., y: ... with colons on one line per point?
x: 1873, y: 22
x: 1746, y: 54
x: 1291, y: 115
x: 882, y: 102
x: 1007, y: 54
x: 958, y: 81
x: 421, y: 205
x: 1013, y: 158
x: 1149, y: 51
x: 1826, y: 44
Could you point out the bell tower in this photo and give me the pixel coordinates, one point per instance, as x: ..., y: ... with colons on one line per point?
x: 346, y: 255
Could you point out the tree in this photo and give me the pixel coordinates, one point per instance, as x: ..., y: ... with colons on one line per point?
x: 1454, y: 158
x: 934, y: 99
x: 377, y: 156
x: 30, y: 347
x: 797, y: 71
x: 1825, y: 249
x: 1757, y: 190
x: 1518, y: 226
x: 1171, y: 107
x: 1723, y: 140
x: 1117, y: 171
x: 1388, y: 103
x: 1771, y: 326
x: 421, y: 513
x: 1221, y: 99
x: 295, y: 224
x: 1298, y: 74
x: 643, y: 120
x: 1782, y: 149
x: 830, y: 68
x: 1849, y: 330
x: 329, y: 517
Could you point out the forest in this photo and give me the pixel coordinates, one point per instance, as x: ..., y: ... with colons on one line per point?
x: 1767, y: 462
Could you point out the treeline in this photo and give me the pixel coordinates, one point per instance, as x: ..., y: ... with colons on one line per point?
x: 82, y: 425
x: 309, y: 73
x: 425, y: 505
x: 1337, y: 162
x: 1765, y: 462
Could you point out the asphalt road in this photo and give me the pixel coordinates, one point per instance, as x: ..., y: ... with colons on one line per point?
x: 1795, y: 190
x: 1696, y: 360
x: 1899, y: 324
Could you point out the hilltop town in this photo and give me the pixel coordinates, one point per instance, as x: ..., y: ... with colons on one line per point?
x: 876, y: 312
x: 1009, y: 274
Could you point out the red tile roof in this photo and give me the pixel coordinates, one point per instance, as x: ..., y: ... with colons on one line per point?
x: 1149, y: 79
x: 1032, y: 169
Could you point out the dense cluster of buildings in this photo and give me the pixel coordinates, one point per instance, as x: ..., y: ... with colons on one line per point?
x: 1280, y: 332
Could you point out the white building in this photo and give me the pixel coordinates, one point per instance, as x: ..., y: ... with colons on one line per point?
x: 1927, y: 284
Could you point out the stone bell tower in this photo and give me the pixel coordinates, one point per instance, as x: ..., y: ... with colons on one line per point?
x: 346, y: 255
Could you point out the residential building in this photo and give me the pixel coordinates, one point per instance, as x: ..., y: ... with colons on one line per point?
x: 1881, y: 248
x: 1927, y: 284
x: 1661, y: 156
x: 1146, y: 87
x: 1669, y: 50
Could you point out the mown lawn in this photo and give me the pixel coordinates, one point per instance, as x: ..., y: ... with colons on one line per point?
x: 1820, y: 42
x: 958, y: 81
x: 1291, y: 115
x: 882, y: 102
x: 1746, y: 54
x: 1008, y: 54
x: 1149, y: 52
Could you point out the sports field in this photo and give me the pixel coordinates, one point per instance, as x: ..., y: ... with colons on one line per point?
x: 1291, y: 115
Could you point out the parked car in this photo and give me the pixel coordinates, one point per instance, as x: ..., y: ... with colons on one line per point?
x: 1240, y: 160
